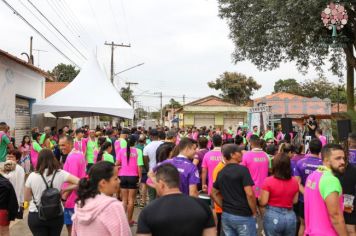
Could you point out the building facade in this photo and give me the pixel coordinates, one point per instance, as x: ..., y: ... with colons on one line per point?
x: 212, y: 111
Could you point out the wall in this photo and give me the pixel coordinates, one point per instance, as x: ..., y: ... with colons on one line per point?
x: 15, y: 79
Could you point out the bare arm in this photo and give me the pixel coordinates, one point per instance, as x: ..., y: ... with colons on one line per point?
x: 204, y: 173
x: 209, y: 231
x: 263, y: 199
x: 216, y: 196
x: 251, y: 199
x: 146, y: 161
x: 301, y: 187
x: 193, y: 190
x: 10, y: 146
x: 336, y: 215
x: 28, y: 194
x: 73, y: 180
x: 295, y: 199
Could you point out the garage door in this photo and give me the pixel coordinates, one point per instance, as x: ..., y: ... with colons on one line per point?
x: 22, y: 119
x: 204, y: 120
x: 232, y: 122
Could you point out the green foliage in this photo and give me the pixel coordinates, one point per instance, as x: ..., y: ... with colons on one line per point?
x: 268, y: 32
x: 126, y: 93
x: 319, y: 87
x: 288, y: 86
x: 64, y: 73
x: 235, y: 87
x: 173, y: 104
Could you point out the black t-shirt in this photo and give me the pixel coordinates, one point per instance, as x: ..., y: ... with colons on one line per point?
x: 348, y: 183
x: 231, y: 182
x: 311, y: 132
x: 175, y: 215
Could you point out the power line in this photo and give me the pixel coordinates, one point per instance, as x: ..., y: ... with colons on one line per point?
x: 47, y: 27
x: 114, y: 18
x: 64, y: 24
x: 38, y: 32
x: 75, y: 32
x: 55, y: 28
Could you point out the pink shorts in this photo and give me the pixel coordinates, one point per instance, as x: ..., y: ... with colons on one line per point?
x: 4, y: 218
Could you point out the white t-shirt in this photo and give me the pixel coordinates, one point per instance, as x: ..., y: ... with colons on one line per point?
x: 150, y: 151
x: 17, y: 179
x: 37, y: 185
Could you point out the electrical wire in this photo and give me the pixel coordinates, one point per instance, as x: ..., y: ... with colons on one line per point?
x: 55, y: 28
x: 38, y: 32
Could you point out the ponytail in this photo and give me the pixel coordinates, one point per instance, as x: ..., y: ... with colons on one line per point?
x: 88, y: 186
x: 103, y: 148
x: 131, y: 141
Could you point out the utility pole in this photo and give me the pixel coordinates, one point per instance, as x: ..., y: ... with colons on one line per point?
x: 183, y: 99
x: 161, y: 97
x: 113, y: 45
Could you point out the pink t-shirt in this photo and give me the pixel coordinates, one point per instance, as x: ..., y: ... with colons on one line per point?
x: 210, y: 161
x: 130, y: 168
x: 75, y: 165
x: 257, y: 163
x: 323, y: 140
x: 81, y: 145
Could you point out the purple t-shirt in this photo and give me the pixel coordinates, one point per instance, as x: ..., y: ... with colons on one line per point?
x: 200, y: 156
x: 352, y: 156
x: 294, y: 161
x: 188, y: 172
x: 304, y: 168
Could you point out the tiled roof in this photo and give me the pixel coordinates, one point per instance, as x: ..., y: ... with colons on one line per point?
x: 210, y: 101
x: 280, y: 95
x: 53, y: 87
x: 26, y: 64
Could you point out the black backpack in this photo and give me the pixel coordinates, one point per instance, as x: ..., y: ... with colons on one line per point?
x: 50, y: 206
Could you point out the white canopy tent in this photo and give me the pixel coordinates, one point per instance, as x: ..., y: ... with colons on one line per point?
x: 89, y: 94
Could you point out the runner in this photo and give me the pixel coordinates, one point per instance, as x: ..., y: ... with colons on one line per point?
x: 279, y: 192
x: 323, y: 195
x: 76, y: 166
x: 199, y: 157
x: 174, y: 213
x: 257, y: 163
x: 149, y: 158
x: 92, y: 146
x: 130, y: 162
x: 96, y: 211
x: 233, y: 192
x: 189, y: 174
x: 104, y: 153
x: 80, y: 144
x: 218, y: 211
x: 210, y: 161
x: 269, y: 134
x: 121, y: 142
x: 5, y: 143
x: 304, y: 168
x: 35, y: 149
x: 143, y: 186
x: 321, y: 137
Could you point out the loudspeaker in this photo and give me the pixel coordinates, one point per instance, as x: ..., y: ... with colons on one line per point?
x: 287, y: 126
x: 343, y: 129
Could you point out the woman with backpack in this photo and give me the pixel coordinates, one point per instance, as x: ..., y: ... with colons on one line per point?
x: 96, y: 211
x: 130, y: 160
x: 42, y: 189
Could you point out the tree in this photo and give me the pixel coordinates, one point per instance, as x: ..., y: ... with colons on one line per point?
x: 235, y: 87
x: 173, y: 104
x: 288, y: 86
x: 64, y: 73
x: 270, y: 32
x: 126, y: 94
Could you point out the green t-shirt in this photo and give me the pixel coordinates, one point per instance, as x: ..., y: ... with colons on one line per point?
x: 269, y: 135
x: 36, y: 146
x: 328, y: 183
x: 3, y: 147
x: 43, y: 138
x: 91, y: 146
x: 256, y: 133
x: 230, y: 132
x: 123, y: 143
x: 108, y: 157
x: 139, y: 157
x: 108, y: 140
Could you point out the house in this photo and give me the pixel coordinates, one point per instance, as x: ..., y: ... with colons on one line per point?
x: 212, y: 111
x: 21, y: 84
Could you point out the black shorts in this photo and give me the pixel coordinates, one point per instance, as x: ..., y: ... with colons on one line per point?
x: 144, y: 178
x: 128, y: 182
x: 301, y: 209
x: 350, y: 219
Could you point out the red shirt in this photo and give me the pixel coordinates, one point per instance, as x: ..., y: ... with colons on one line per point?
x: 281, y: 192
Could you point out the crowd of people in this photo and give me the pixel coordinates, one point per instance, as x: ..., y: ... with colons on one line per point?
x: 192, y: 181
